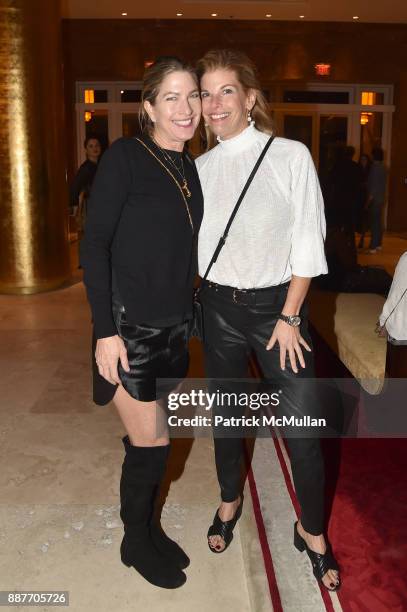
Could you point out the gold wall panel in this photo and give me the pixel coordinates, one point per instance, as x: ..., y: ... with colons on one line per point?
x: 33, y: 192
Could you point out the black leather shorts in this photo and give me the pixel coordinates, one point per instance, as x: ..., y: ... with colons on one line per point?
x: 154, y: 354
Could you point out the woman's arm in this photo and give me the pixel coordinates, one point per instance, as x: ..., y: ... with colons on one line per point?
x: 104, y: 207
x: 79, y: 184
x: 109, y: 193
x: 296, y: 295
x: 307, y: 256
x: 289, y: 338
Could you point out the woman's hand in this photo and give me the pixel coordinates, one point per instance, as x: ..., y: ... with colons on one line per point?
x: 381, y: 330
x: 289, y: 340
x: 108, y: 352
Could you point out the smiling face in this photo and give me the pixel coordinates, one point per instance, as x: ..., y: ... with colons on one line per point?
x: 176, y: 110
x: 225, y: 104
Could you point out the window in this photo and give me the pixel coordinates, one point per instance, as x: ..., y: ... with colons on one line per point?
x: 317, y: 97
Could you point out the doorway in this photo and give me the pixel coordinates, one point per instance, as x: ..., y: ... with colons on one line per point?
x: 321, y: 115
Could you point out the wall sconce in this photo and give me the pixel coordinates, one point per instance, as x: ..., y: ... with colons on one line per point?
x: 88, y: 116
x: 364, y: 118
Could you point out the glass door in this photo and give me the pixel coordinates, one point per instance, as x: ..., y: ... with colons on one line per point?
x: 299, y: 127
x: 107, y: 110
x: 333, y: 134
x: 322, y: 132
x: 130, y: 124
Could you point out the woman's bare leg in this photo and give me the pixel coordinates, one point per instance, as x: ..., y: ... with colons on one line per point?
x: 145, y: 422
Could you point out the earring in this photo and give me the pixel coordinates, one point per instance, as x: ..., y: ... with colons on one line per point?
x: 249, y: 116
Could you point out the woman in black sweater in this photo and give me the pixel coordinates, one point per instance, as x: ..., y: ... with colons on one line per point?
x: 82, y: 183
x: 139, y: 261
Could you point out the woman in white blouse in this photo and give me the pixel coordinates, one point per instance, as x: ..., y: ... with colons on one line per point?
x: 253, y: 299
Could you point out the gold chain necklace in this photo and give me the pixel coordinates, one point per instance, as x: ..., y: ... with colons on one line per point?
x: 174, y: 179
x: 184, y: 185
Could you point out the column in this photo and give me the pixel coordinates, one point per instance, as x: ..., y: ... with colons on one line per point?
x: 34, y: 245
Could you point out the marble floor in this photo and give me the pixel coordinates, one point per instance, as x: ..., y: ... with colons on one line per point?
x: 60, y: 458
x: 60, y: 461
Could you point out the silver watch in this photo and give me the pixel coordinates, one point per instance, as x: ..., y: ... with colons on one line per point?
x: 293, y: 320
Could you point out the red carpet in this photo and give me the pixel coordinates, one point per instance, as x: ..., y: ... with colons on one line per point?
x: 368, y: 523
x: 367, y: 503
x: 265, y: 549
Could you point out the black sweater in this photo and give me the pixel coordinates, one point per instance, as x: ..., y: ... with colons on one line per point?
x: 83, y: 181
x: 137, y: 226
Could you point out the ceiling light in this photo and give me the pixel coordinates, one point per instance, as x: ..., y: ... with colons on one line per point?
x: 179, y: 14
x: 355, y: 17
x: 302, y: 16
x: 268, y: 15
x: 124, y: 14
x: 214, y: 14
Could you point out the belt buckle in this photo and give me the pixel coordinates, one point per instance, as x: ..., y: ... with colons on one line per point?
x: 235, y: 294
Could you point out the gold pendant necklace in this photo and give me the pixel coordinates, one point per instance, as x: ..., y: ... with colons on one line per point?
x: 186, y: 190
x: 175, y: 181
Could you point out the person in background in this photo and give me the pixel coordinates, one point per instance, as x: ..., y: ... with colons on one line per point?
x: 345, y: 182
x: 393, y: 319
x: 82, y: 182
x: 392, y: 323
x: 341, y: 197
x: 376, y: 188
x: 362, y: 216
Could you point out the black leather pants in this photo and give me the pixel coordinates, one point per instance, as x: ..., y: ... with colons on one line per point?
x: 232, y: 330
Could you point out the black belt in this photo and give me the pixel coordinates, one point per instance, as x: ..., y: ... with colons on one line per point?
x: 247, y: 297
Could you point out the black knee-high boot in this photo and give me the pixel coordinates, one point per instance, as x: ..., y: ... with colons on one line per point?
x: 161, y: 540
x: 137, y: 493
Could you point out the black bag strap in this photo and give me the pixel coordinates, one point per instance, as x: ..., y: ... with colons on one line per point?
x: 236, y: 208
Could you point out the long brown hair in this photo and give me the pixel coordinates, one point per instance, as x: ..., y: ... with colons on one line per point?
x: 152, y: 79
x: 246, y: 73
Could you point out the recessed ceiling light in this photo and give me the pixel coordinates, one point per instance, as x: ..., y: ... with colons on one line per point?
x: 268, y: 15
x: 302, y: 16
x: 214, y: 14
x: 355, y: 17
x: 179, y: 14
x: 124, y: 14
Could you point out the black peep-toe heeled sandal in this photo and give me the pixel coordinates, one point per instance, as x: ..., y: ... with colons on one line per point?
x: 224, y: 529
x: 321, y: 564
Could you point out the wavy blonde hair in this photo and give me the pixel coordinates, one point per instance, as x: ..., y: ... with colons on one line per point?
x: 246, y: 73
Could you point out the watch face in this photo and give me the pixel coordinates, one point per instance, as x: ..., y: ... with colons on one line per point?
x: 295, y: 320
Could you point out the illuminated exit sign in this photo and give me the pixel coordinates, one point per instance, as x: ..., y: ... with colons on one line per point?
x: 323, y: 69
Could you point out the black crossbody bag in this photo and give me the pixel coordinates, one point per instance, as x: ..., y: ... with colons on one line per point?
x: 197, y: 323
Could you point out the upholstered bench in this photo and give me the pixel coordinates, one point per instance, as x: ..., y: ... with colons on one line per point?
x: 346, y: 321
